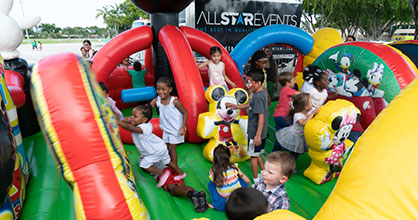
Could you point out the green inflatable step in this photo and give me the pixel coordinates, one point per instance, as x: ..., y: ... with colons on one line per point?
x: 48, y: 196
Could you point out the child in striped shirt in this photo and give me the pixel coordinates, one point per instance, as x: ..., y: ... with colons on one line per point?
x: 225, y: 177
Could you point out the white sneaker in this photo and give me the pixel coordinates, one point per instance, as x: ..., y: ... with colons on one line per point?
x: 256, y: 180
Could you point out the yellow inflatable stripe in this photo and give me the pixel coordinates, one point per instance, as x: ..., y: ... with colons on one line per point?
x: 78, y: 205
x: 114, y: 147
x: 48, y: 128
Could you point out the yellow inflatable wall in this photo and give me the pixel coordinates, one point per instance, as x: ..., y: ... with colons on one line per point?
x: 326, y: 134
x: 323, y: 39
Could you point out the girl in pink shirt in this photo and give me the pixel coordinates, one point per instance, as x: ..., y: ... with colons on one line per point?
x: 216, y: 69
x: 280, y: 115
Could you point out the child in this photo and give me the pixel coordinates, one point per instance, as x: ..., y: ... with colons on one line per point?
x: 257, y: 119
x: 83, y: 52
x: 116, y: 111
x: 291, y: 139
x: 177, y: 188
x: 245, y: 204
x: 216, y: 69
x: 225, y: 177
x: 151, y: 147
x: 280, y: 115
x: 137, y: 75
x: 316, y: 84
x: 258, y: 62
x: 173, y: 116
x: 278, y: 169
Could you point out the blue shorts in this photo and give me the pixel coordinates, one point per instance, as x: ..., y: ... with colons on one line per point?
x: 255, y: 151
x: 217, y: 200
x: 281, y: 122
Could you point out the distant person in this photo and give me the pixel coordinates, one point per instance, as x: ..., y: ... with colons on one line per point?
x: 216, y: 69
x: 34, y: 45
x: 350, y: 38
x: 246, y: 204
x: 40, y: 45
x: 278, y: 169
x: 137, y: 74
x: 271, y: 71
x: 89, y: 51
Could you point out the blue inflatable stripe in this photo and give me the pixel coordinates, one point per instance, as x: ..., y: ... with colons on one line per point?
x: 279, y: 33
x: 138, y: 94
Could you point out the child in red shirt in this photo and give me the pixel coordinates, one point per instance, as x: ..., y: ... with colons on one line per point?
x: 280, y: 115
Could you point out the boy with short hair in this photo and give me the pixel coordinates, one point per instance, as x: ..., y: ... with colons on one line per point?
x: 279, y: 168
x: 258, y: 114
x: 245, y: 204
x: 138, y: 75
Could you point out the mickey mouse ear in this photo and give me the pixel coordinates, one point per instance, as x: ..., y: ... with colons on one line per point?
x: 218, y: 93
x: 241, y: 96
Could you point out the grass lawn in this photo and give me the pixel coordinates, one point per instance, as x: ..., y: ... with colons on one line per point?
x: 59, y: 41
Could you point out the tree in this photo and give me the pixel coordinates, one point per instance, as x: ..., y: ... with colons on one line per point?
x: 370, y: 17
x: 48, y: 30
x: 130, y: 13
x: 414, y: 7
x: 119, y: 18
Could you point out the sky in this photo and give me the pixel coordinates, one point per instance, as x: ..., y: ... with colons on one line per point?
x: 63, y: 13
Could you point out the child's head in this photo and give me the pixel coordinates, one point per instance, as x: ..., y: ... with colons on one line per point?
x: 221, y: 162
x: 83, y: 51
x: 301, y: 102
x: 137, y: 66
x: 141, y: 114
x: 269, y: 52
x: 316, y: 76
x: 104, y: 88
x: 287, y: 79
x: 254, y: 80
x: 258, y: 60
x: 164, y: 87
x: 350, y: 38
x: 278, y: 168
x: 125, y: 62
x: 245, y: 204
x: 215, y: 54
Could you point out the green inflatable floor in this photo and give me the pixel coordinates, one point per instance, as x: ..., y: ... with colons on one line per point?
x: 49, y: 197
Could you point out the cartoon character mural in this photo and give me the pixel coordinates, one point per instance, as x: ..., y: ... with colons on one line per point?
x: 326, y: 134
x: 223, y: 125
x: 365, y: 74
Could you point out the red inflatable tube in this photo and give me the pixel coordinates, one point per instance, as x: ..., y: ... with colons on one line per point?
x: 120, y: 47
x: 88, y: 155
x: 202, y: 42
x: 14, y: 82
x: 148, y: 63
x: 186, y: 76
x: 403, y: 72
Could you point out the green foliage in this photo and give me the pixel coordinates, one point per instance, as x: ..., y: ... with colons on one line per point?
x: 119, y: 18
x: 370, y: 17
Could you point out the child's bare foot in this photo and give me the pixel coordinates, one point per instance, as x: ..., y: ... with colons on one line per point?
x: 163, y: 178
x: 179, y: 177
x: 211, y: 206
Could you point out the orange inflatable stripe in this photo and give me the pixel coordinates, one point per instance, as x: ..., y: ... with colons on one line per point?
x: 89, y: 156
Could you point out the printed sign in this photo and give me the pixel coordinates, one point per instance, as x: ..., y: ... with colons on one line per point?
x: 228, y: 21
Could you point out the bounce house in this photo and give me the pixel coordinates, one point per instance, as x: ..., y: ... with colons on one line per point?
x: 83, y: 166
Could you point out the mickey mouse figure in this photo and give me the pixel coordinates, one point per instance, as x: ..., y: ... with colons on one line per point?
x: 231, y: 127
x: 343, y: 125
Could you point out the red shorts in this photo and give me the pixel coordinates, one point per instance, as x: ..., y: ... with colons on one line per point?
x: 170, y: 179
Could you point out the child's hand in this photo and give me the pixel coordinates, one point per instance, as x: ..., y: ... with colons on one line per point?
x: 230, y: 105
x: 316, y: 110
x: 257, y: 140
x: 182, y: 130
x: 233, y: 84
